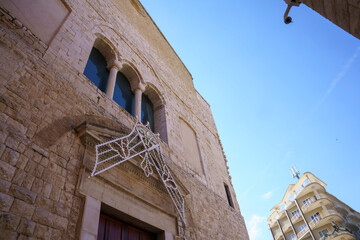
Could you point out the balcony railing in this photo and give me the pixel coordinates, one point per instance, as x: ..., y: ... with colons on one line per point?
x: 302, y: 232
x: 314, y: 221
x: 278, y: 235
x: 338, y: 234
x: 286, y: 227
x: 295, y: 217
x: 308, y: 204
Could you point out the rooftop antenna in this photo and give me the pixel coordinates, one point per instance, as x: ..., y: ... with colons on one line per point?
x: 294, y: 172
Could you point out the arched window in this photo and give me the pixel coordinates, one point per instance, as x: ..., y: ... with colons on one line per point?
x: 147, y: 112
x: 123, y: 94
x: 96, y: 70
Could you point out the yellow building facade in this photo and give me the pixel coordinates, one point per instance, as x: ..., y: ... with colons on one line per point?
x: 307, y: 211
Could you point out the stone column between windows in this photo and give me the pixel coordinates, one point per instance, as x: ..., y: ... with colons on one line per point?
x: 304, y: 218
x: 114, y: 67
x: 138, y: 95
x: 291, y: 224
x: 316, y: 194
x: 282, y: 232
x: 271, y: 232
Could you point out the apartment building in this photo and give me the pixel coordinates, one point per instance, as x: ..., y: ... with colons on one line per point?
x: 308, y: 211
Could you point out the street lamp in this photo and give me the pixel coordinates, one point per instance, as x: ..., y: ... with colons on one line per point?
x: 290, y: 3
x: 338, y: 229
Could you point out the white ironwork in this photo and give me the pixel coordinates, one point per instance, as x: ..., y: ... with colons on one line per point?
x: 144, y: 143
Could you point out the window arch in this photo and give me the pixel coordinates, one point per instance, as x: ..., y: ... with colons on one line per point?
x: 102, y: 69
x: 147, y: 112
x: 96, y: 69
x: 121, y: 81
x: 123, y: 94
x: 155, y: 101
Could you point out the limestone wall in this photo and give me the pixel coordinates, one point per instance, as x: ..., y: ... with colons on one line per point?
x: 344, y: 13
x: 44, y: 96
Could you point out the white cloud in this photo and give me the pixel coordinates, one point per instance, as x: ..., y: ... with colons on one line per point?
x: 267, y: 195
x: 255, y: 231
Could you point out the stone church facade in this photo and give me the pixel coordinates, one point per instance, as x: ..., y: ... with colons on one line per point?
x: 78, y: 73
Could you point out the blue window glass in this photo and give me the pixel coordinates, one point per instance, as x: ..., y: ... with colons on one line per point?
x: 147, y: 112
x: 96, y: 70
x: 123, y: 94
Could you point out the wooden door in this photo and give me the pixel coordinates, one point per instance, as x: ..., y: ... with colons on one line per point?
x: 112, y: 229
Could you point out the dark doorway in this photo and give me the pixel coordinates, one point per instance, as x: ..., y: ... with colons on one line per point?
x: 113, y: 229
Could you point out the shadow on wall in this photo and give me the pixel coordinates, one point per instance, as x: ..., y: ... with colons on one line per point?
x: 49, y: 135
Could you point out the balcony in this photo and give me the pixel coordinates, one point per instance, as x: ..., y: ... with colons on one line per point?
x: 353, y: 217
x: 325, y: 218
x: 295, y: 218
x: 286, y: 227
x: 321, y: 199
x: 314, y: 222
x: 340, y: 236
x: 278, y: 236
x: 302, y: 232
x: 307, y: 205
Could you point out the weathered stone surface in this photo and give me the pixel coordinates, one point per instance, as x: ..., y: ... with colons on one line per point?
x: 26, y: 227
x: 43, y: 216
x: 44, y: 96
x: 60, y: 222
x: 23, y: 194
x: 42, y: 232
x: 4, y: 186
x: 21, y: 208
x: 10, y: 156
x: 5, y: 202
x: 355, y: 20
x: 8, y: 235
x: 8, y: 221
x: 6, y: 171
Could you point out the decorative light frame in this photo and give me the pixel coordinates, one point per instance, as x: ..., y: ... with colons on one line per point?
x: 142, y: 142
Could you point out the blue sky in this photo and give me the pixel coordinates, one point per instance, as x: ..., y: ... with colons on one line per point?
x: 281, y: 95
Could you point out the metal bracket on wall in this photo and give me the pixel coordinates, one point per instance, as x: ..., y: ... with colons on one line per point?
x: 290, y: 3
x: 144, y: 143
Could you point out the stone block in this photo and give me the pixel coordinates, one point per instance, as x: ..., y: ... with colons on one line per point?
x: 41, y: 215
x: 22, y: 209
x: 28, y: 181
x: 6, y: 171
x: 47, y: 188
x: 342, y: 14
x: 9, y: 221
x: 45, y: 203
x: 12, y: 143
x: 61, y: 209
x: 21, y: 163
x: 60, y: 222
x: 38, y: 171
x: 37, y: 185
x: 4, y: 186
x: 23, y: 194
x: 26, y: 227
x: 55, y: 193
x: 31, y: 166
x: 10, y: 156
x: 8, y: 235
x: 56, y: 234
x: 19, y: 177
x: 5, y: 202
x: 42, y: 232
x: 354, y: 20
